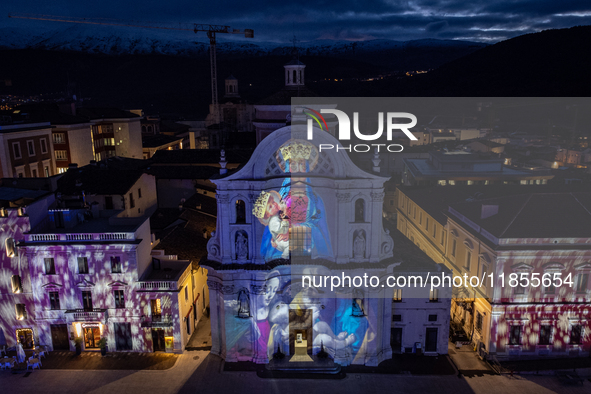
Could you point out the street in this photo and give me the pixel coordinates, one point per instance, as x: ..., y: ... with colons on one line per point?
x: 198, y: 371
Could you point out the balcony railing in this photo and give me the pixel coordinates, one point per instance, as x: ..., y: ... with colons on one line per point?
x: 164, y: 285
x: 157, y: 321
x: 95, y: 314
x: 78, y: 237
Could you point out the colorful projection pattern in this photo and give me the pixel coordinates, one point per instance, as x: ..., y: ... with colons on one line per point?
x: 294, y: 217
x: 257, y: 327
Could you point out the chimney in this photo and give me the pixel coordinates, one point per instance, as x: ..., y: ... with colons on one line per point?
x: 488, y: 211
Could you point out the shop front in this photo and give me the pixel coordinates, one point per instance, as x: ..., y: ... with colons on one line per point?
x: 90, y: 333
x: 25, y: 337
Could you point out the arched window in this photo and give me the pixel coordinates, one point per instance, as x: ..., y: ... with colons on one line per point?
x: 294, y: 77
x: 240, y: 211
x: 149, y: 129
x: 359, y: 211
x: 143, y: 129
x: 301, y: 81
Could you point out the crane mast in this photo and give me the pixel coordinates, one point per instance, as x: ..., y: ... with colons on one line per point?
x: 211, y: 31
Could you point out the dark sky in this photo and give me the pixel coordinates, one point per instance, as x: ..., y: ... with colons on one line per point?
x: 272, y: 20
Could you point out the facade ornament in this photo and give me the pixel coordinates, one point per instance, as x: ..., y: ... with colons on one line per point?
x: 254, y: 289
x: 223, y: 198
x: 377, y: 196
x: 344, y: 197
x: 214, y: 285
x: 229, y: 289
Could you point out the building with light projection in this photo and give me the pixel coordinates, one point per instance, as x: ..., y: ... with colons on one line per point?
x: 534, y: 241
x: 293, y: 212
x: 20, y: 210
x: 80, y: 264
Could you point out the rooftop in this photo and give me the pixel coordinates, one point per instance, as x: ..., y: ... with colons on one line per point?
x: 524, y: 211
x: 186, y: 239
x: 14, y: 197
x: 435, y: 200
x: 159, y: 140
x: 105, y: 113
x: 19, y: 127
x: 200, y: 156
x: 490, y: 144
x: 97, y: 179
x: 94, y: 226
x: 182, y: 172
x: 170, y: 270
x: 423, y: 168
x: 534, y: 215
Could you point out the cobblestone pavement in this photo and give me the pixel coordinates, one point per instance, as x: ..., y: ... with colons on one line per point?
x: 199, y: 372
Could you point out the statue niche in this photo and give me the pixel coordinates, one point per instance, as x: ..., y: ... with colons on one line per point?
x: 241, y: 245
x: 359, y: 244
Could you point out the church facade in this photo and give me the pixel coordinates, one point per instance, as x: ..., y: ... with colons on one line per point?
x: 289, y: 220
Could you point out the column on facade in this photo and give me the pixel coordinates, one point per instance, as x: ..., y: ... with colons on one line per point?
x: 343, y: 243
x: 216, y: 315
x: 377, y: 202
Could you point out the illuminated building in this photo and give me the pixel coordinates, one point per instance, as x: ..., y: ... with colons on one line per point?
x: 20, y: 210
x: 26, y: 150
x: 464, y: 168
x: 291, y: 212
x: 529, y: 231
x: 92, y: 272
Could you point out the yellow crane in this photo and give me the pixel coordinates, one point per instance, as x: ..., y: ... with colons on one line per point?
x: 211, y: 31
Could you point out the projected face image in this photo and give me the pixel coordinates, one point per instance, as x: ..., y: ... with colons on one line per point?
x: 271, y: 290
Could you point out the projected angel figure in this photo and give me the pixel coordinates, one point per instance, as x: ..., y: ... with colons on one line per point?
x: 270, y: 209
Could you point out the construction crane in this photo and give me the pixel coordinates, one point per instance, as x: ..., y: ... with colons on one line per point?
x: 211, y: 31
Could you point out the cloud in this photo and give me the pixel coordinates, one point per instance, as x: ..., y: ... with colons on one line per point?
x: 436, y: 26
x: 347, y: 19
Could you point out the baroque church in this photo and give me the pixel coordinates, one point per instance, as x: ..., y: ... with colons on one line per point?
x: 295, y: 212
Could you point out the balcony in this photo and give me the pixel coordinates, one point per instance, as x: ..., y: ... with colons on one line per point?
x: 95, y: 314
x: 157, y: 321
x: 68, y: 237
x: 160, y: 285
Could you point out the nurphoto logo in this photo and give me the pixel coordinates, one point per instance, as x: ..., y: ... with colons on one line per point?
x: 344, y: 132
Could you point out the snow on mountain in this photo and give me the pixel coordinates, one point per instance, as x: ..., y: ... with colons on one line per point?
x: 117, y: 40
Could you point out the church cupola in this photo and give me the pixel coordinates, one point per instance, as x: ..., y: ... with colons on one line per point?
x: 231, y: 87
x: 294, y: 73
